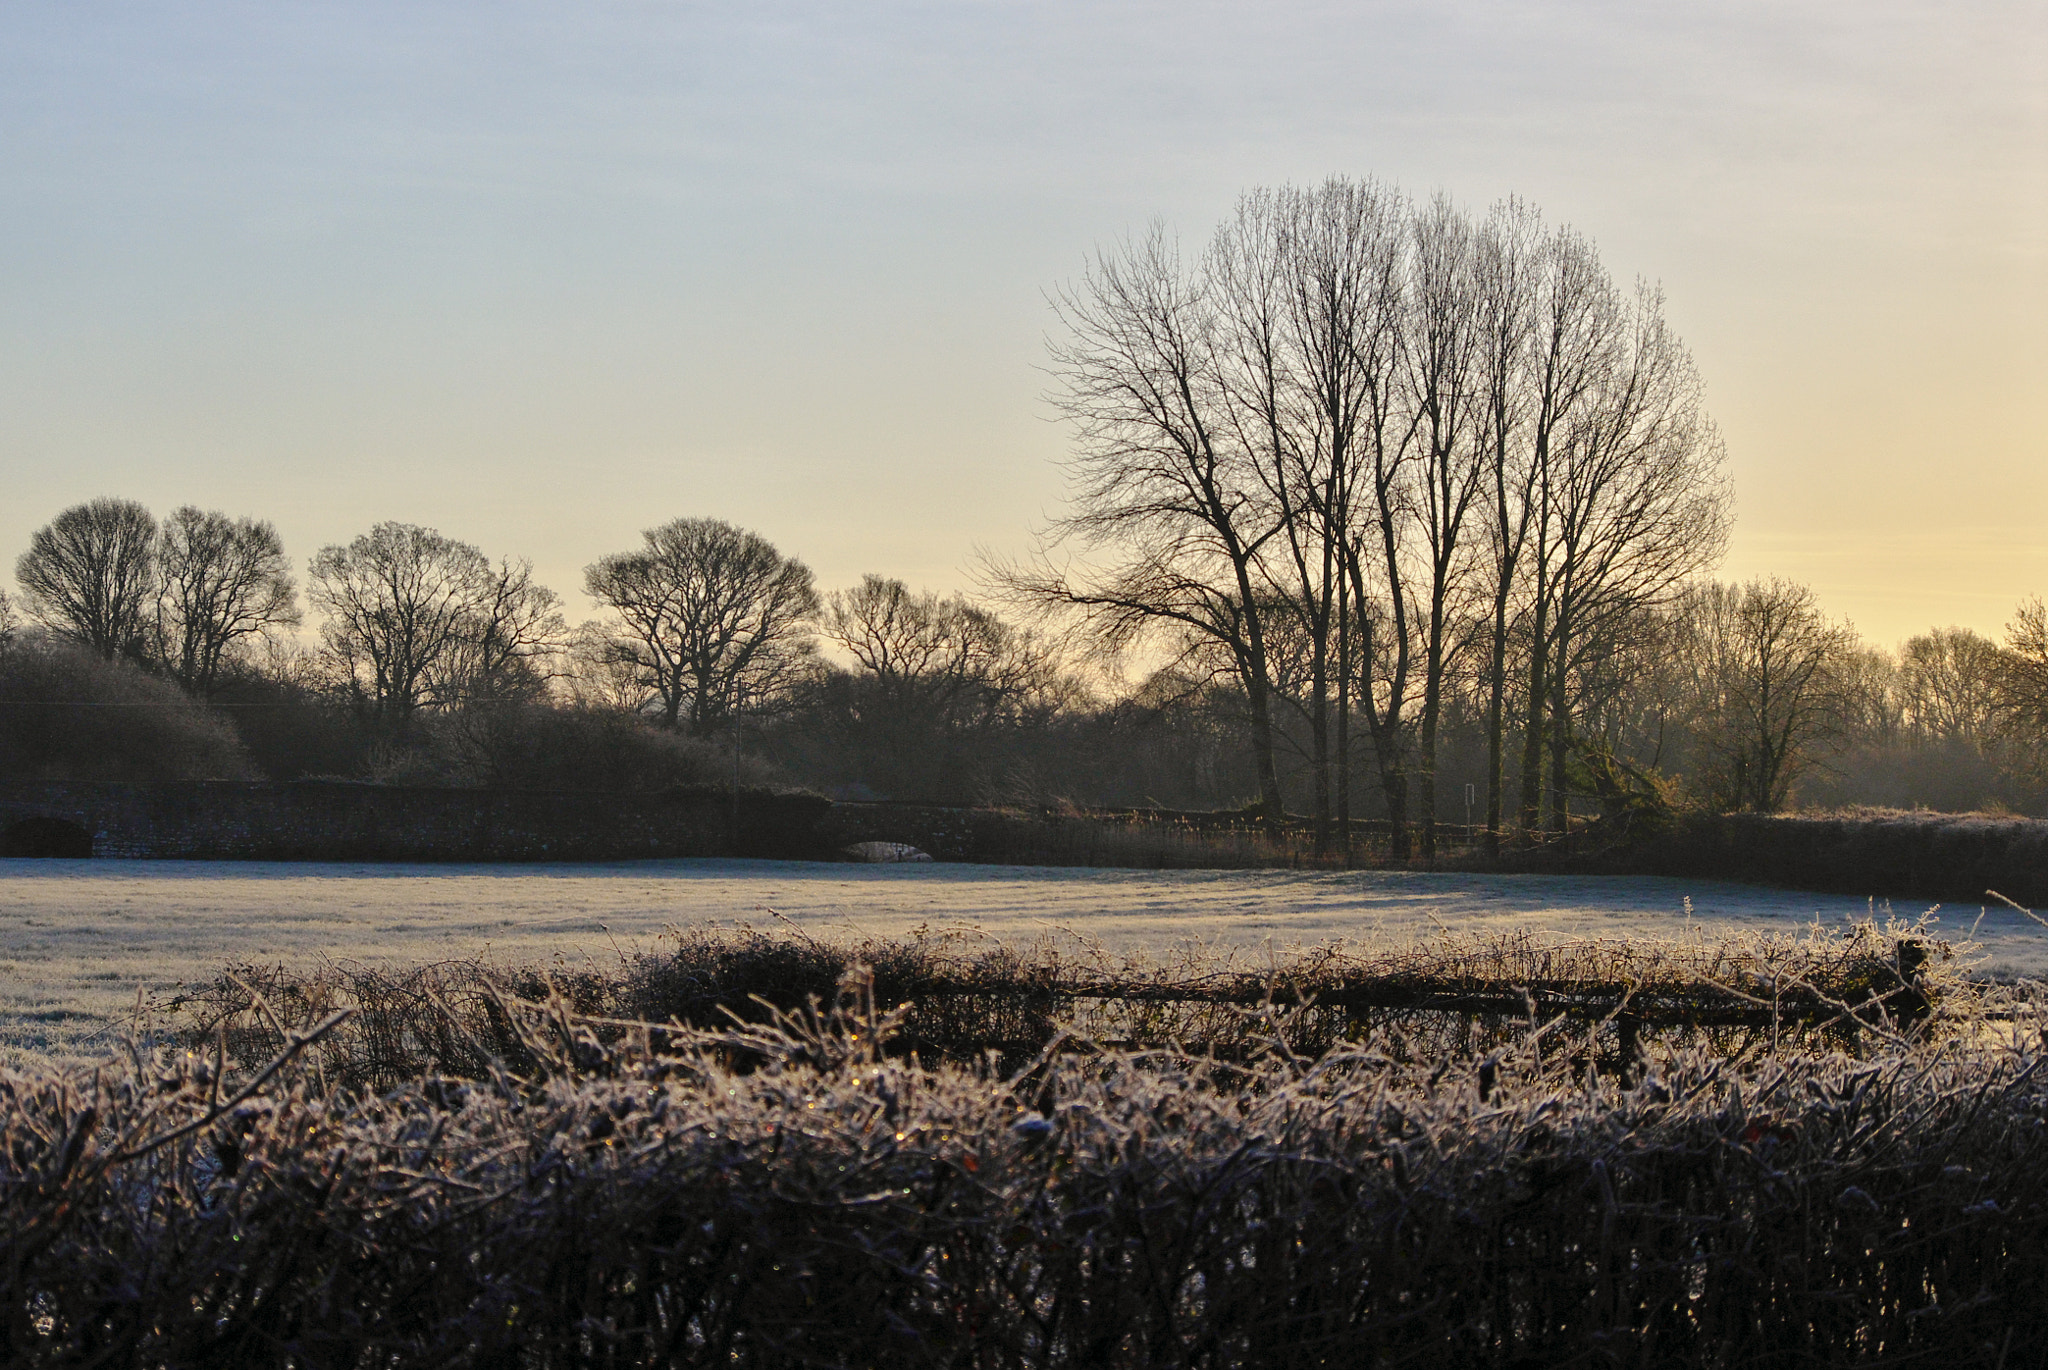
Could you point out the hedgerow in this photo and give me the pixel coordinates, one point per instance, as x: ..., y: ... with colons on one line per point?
x: 963, y: 996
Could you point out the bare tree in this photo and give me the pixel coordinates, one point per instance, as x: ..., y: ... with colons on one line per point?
x: 1378, y: 539
x: 1345, y: 283
x: 1508, y: 264
x: 91, y: 574
x: 1310, y: 291
x: 2020, y: 680
x: 712, y: 615
x: 415, y: 620
x: 223, y: 579
x: 1444, y: 362
x: 1162, y: 485
x: 951, y: 661
x: 943, y: 697
x: 602, y: 672
x: 1948, y: 686
x: 514, y: 630
x: 1573, y: 346
x: 1772, y: 684
x: 1637, y: 505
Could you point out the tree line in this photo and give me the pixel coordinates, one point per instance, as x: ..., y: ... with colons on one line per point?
x: 430, y: 660
x: 434, y: 663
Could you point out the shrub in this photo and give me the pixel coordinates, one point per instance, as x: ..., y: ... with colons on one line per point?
x: 65, y: 714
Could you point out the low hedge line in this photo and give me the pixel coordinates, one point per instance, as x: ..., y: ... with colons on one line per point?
x: 786, y: 1193
x: 1887, y: 853
x: 965, y: 997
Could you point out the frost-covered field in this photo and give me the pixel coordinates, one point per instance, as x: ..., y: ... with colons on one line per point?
x: 77, y: 938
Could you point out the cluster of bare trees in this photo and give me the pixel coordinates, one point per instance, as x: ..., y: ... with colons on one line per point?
x: 429, y: 645
x: 411, y: 620
x: 1751, y: 696
x: 180, y: 595
x: 1359, y: 450
x: 1960, y: 718
x: 1417, y: 502
x: 414, y: 620
x: 927, y: 657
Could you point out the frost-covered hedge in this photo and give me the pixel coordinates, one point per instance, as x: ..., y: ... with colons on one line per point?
x: 965, y: 996
x: 788, y: 1194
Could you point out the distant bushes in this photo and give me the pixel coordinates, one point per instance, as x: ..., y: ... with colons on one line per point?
x: 543, y: 747
x: 66, y: 714
x: 786, y: 1193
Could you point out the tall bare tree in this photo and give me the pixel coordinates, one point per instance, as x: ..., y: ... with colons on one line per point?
x: 1572, y: 346
x: 223, y: 580
x: 1444, y: 365
x: 1310, y: 285
x: 91, y: 574
x: 1507, y: 266
x: 1164, y: 492
x: 1346, y: 285
x: 715, y: 618
x: 1379, y: 508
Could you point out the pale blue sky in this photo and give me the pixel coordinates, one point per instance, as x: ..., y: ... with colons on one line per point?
x: 543, y: 275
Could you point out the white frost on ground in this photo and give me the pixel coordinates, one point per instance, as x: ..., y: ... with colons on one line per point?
x: 78, y: 938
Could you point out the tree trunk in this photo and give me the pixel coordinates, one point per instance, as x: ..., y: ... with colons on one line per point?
x: 1496, y: 725
x: 1394, y: 785
x: 1559, y: 739
x: 1319, y: 730
x: 1344, y: 717
x: 1532, y: 731
x: 1432, y: 708
x: 1262, y: 752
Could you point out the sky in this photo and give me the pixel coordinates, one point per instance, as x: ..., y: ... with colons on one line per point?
x: 543, y: 275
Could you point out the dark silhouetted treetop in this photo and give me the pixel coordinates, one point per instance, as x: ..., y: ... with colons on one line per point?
x: 223, y: 580
x: 91, y: 574
x: 416, y: 620
x: 713, y: 617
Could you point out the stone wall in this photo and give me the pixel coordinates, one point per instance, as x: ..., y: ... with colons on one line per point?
x: 338, y: 821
